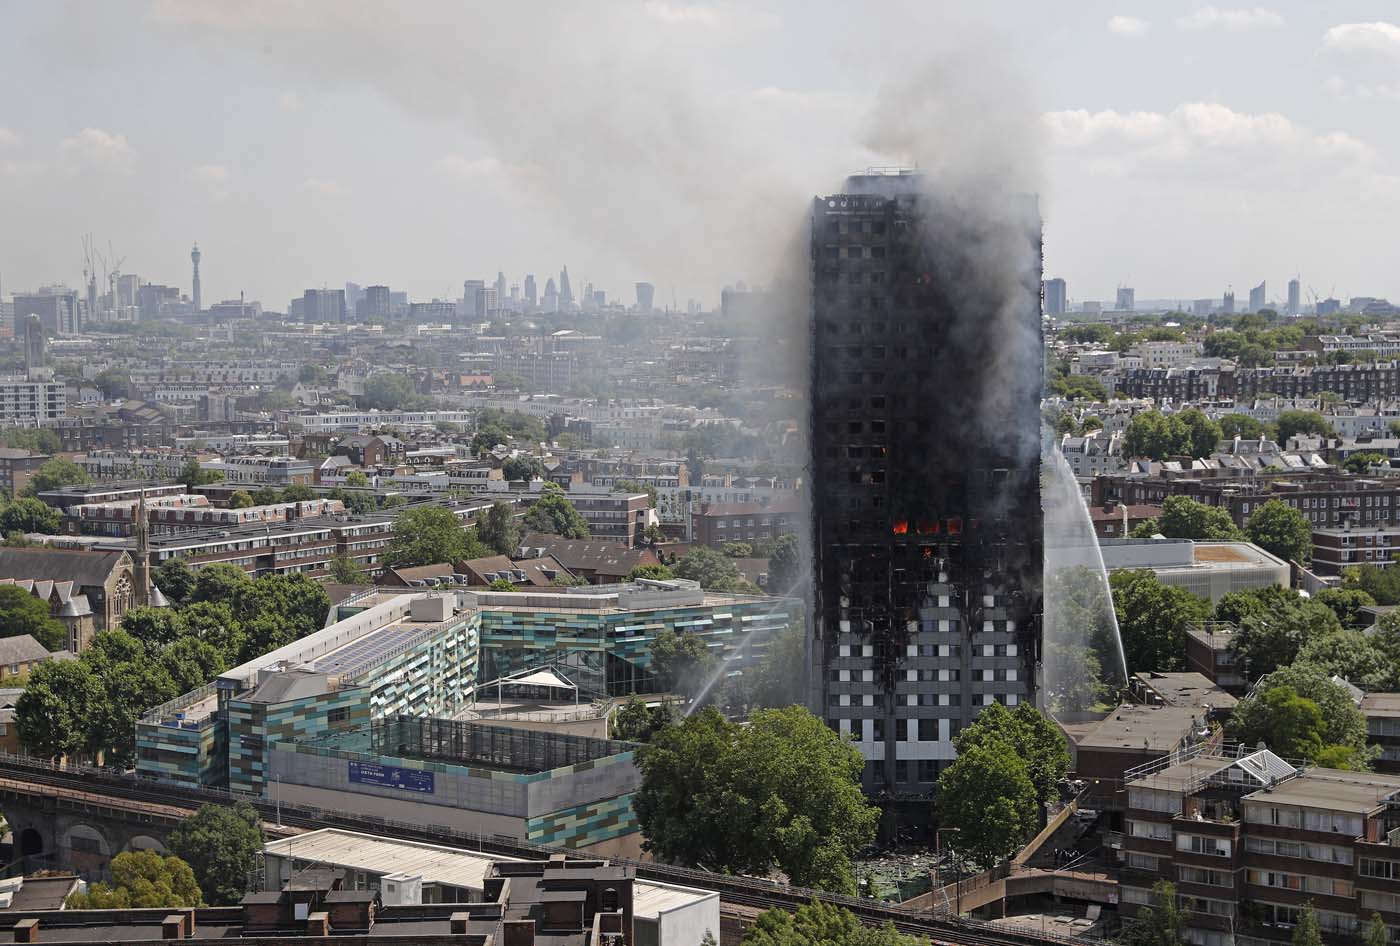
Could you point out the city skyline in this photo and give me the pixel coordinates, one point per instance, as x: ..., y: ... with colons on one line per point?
x: 465, y: 177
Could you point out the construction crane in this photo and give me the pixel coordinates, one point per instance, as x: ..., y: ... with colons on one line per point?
x: 90, y: 275
x: 113, y: 275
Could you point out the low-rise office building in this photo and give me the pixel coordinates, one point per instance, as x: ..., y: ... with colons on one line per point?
x: 1335, y: 550
x: 1206, y: 569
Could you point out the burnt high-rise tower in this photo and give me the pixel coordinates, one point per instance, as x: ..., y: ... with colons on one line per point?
x: 927, y: 525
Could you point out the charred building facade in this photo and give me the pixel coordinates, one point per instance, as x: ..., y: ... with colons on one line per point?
x: 927, y: 526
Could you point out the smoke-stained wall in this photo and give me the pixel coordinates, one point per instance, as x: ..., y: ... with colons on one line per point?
x: 925, y: 387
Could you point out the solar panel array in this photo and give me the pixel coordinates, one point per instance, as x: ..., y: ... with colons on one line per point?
x: 373, y: 648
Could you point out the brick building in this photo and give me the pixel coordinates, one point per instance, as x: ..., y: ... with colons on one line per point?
x: 714, y: 524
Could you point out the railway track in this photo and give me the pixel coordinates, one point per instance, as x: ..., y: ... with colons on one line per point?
x: 942, y: 929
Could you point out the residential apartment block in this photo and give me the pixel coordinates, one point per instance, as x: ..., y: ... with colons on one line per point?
x: 1250, y: 839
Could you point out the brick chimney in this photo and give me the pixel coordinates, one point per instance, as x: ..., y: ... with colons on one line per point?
x: 27, y: 931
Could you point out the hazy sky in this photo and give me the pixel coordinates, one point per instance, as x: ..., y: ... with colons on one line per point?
x: 1177, y: 147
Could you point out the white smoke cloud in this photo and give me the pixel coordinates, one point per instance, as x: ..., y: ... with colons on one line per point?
x: 1366, y: 57
x: 7, y: 137
x: 324, y: 186
x: 289, y: 102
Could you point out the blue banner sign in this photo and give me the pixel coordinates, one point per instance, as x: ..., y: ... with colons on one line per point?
x: 392, y: 776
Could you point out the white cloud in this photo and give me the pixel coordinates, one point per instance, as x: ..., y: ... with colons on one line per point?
x: 1207, y: 142
x: 209, y: 174
x: 289, y: 102
x: 1127, y: 26
x: 454, y: 165
x: 95, y: 148
x: 1378, y: 37
x: 1366, y: 59
x: 1236, y: 18
x: 323, y: 186
x: 710, y: 17
x: 7, y: 137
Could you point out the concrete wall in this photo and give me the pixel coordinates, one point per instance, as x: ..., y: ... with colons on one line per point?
x: 401, y: 809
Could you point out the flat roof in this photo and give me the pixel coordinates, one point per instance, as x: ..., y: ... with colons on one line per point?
x: 1380, y: 704
x: 1332, y: 790
x: 1187, y: 688
x: 1175, y: 778
x: 1144, y: 728
x: 445, y: 865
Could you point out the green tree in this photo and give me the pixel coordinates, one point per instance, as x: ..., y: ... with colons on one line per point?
x: 737, y: 549
x: 55, y: 713
x: 824, y: 923
x: 1353, y: 656
x: 1382, y: 584
x: 241, y: 499
x: 22, y: 613
x: 1292, y: 724
x: 388, y: 391
x: 191, y: 663
x: 1244, y: 427
x: 1030, y: 735
x: 1273, y: 626
x: 297, y: 602
x: 356, y: 479
x: 266, y: 496
x: 1152, y: 619
x: 498, y: 531
x: 1307, y: 932
x: 1156, y: 436
x: 54, y: 474
x: 222, y: 844
x: 987, y: 794
x: 1346, y: 603
x: 681, y: 662
x: 1361, y: 462
x: 1160, y: 923
x: 297, y: 493
x: 1203, y: 434
x: 714, y: 570
x: 429, y: 535
x: 1342, y: 723
x: 652, y: 571
x: 154, y: 627
x: 634, y: 721
x: 1376, y: 933
x: 782, y: 792
x: 1281, y: 530
x: 192, y: 475
x: 29, y: 515
x: 1079, y: 387
x: 1290, y: 423
x: 500, y: 584
x: 785, y: 566
x: 142, y: 880
x: 129, y: 689
x: 215, y: 624
x: 219, y: 582
x: 346, y: 572
x: 632, y: 486
x: 1184, y: 518
x: 555, y: 514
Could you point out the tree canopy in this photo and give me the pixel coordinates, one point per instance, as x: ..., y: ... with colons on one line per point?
x: 222, y: 844
x: 1281, y: 530
x: 682, y: 662
x: 1340, y: 725
x: 1028, y: 734
x: 824, y: 923
x: 56, y: 473
x: 553, y: 513
x: 987, y: 794
x: 1160, y: 923
x: 142, y: 879
x: 1273, y: 624
x: 22, y: 613
x: 1290, y: 423
x: 714, y: 570
x: 498, y: 529
x: 781, y: 793
x: 428, y: 535
x: 785, y: 566
x: 1152, y: 620
x: 1184, y: 518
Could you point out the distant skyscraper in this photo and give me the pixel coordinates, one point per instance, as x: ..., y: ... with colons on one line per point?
x: 323, y: 305
x: 1256, y: 298
x: 1227, y: 304
x: 1329, y: 306
x: 57, y: 308
x: 375, y: 304
x: 1056, y: 301
x: 927, y: 522
x: 566, y: 295
x: 194, y: 288
x: 1295, y: 297
x: 33, y: 346
x: 1125, y: 300
x: 353, y: 295
x: 502, y: 292
x: 551, y: 296
x: 530, y: 298
x: 646, y: 296
x: 474, y: 299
